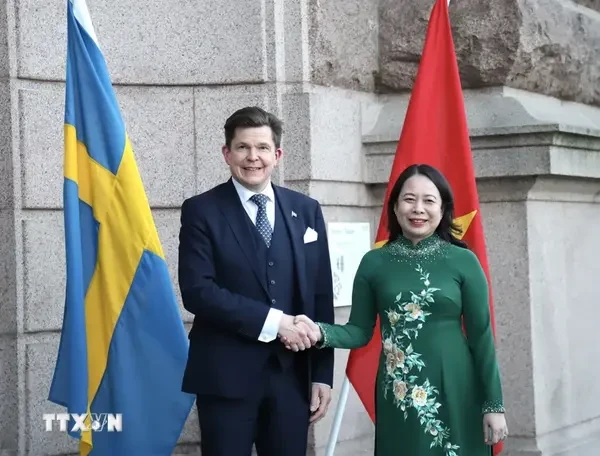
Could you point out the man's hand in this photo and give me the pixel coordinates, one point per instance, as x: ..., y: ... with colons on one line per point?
x: 307, y: 327
x: 319, y: 402
x: 315, y: 332
x: 295, y: 336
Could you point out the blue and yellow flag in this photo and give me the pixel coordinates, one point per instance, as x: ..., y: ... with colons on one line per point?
x: 123, y: 346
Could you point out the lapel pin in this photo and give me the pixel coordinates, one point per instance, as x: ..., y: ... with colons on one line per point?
x: 294, y: 214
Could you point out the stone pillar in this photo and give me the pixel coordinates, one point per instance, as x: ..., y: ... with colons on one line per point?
x: 10, y: 359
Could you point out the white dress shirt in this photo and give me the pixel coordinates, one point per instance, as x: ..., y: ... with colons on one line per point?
x: 271, y: 325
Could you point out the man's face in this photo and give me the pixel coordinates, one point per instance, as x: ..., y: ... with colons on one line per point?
x: 252, y: 157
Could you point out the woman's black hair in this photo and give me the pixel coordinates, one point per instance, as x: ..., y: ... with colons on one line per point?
x: 447, y: 229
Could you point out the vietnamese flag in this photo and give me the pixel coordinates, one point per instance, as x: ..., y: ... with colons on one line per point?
x: 435, y: 133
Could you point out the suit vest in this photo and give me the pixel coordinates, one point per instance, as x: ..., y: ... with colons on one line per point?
x: 276, y: 264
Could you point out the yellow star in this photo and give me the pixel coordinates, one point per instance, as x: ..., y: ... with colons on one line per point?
x: 464, y: 221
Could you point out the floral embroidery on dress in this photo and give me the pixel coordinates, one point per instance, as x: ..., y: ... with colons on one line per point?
x: 402, y: 362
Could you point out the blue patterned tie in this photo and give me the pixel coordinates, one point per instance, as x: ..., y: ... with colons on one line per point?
x: 262, y: 222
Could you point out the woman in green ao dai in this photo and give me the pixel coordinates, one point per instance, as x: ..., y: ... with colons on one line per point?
x: 438, y: 392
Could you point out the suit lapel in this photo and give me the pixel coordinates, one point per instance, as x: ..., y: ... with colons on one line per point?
x: 236, y: 216
x: 294, y: 227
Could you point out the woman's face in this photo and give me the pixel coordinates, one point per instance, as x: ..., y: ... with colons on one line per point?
x: 419, y: 208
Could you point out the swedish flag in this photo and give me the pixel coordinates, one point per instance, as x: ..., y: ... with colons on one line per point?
x: 123, y: 346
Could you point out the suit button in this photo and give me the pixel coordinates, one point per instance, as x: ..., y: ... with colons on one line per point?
x: 271, y: 263
x: 272, y: 282
x: 273, y: 301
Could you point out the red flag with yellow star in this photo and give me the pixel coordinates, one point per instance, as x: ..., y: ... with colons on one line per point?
x: 435, y: 133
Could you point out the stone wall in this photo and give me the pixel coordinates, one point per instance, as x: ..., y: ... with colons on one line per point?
x: 544, y: 46
x: 338, y: 73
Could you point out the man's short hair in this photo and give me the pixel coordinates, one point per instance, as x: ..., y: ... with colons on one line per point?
x: 251, y: 117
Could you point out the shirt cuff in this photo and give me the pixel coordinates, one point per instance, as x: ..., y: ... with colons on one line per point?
x: 271, y: 327
x: 320, y: 383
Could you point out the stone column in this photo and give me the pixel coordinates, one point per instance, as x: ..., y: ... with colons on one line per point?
x: 10, y: 359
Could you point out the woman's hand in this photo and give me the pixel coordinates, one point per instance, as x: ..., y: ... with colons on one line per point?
x: 494, y: 428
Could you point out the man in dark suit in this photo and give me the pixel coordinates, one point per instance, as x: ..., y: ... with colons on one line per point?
x: 252, y: 256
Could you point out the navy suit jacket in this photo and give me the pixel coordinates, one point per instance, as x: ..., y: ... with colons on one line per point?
x: 220, y: 284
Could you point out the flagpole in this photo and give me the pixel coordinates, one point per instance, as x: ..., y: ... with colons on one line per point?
x: 337, y: 419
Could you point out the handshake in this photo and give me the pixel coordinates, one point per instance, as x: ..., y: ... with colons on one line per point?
x: 299, y: 332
